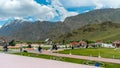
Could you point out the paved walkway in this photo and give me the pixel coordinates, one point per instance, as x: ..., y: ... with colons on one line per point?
x: 78, y: 57
x: 82, y: 57
x: 14, y: 61
x: 86, y: 58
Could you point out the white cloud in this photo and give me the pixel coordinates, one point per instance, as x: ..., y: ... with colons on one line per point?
x: 62, y: 12
x: 86, y: 11
x: 76, y: 3
x: 23, y: 8
x: 97, y: 3
x: 0, y: 26
x: 106, y: 4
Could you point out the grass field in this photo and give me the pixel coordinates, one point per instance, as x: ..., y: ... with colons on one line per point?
x: 103, y: 52
x: 72, y: 60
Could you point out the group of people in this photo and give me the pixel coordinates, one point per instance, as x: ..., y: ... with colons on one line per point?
x: 54, y: 47
x: 29, y: 46
x: 40, y: 49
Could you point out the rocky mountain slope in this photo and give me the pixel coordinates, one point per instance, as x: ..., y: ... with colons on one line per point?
x: 40, y: 30
x: 106, y: 31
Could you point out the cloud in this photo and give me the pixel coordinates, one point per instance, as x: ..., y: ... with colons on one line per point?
x: 0, y: 26
x: 61, y: 11
x: 106, y: 4
x: 97, y: 3
x: 76, y: 3
x: 54, y: 9
x: 23, y: 8
x: 86, y: 11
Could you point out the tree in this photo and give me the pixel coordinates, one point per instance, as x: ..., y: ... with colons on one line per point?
x: 63, y: 41
x: 12, y: 43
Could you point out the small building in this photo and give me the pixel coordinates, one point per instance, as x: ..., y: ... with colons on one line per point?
x: 82, y: 43
x: 102, y: 44
x: 48, y: 41
x: 107, y: 45
x: 116, y: 43
x: 99, y: 43
x: 74, y: 43
x: 79, y: 44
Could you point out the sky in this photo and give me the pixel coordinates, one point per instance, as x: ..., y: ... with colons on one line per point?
x: 49, y: 10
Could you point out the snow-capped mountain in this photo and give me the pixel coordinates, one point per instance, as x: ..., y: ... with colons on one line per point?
x: 25, y: 27
x: 12, y: 25
x: 16, y: 20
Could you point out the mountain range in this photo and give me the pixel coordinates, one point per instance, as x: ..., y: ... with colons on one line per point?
x: 40, y: 30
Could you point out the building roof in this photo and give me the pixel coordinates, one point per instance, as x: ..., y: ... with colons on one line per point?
x: 82, y: 42
x: 74, y: 43
x: 116, y: 42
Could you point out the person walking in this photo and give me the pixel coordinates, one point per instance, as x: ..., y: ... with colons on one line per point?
x: 40, y: 49
x: 5, y: 48
x: 21, y: 48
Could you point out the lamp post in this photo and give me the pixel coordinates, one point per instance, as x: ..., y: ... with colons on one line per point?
x: 99, y: 56
x: 70, y: 53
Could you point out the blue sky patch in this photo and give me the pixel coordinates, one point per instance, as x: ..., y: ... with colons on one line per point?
x: 81, y: 9
x: 42, y: 2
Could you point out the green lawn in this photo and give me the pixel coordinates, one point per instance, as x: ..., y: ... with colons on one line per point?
x: 46, y: 48
x: 72, y: 60
x: 104, y: 52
